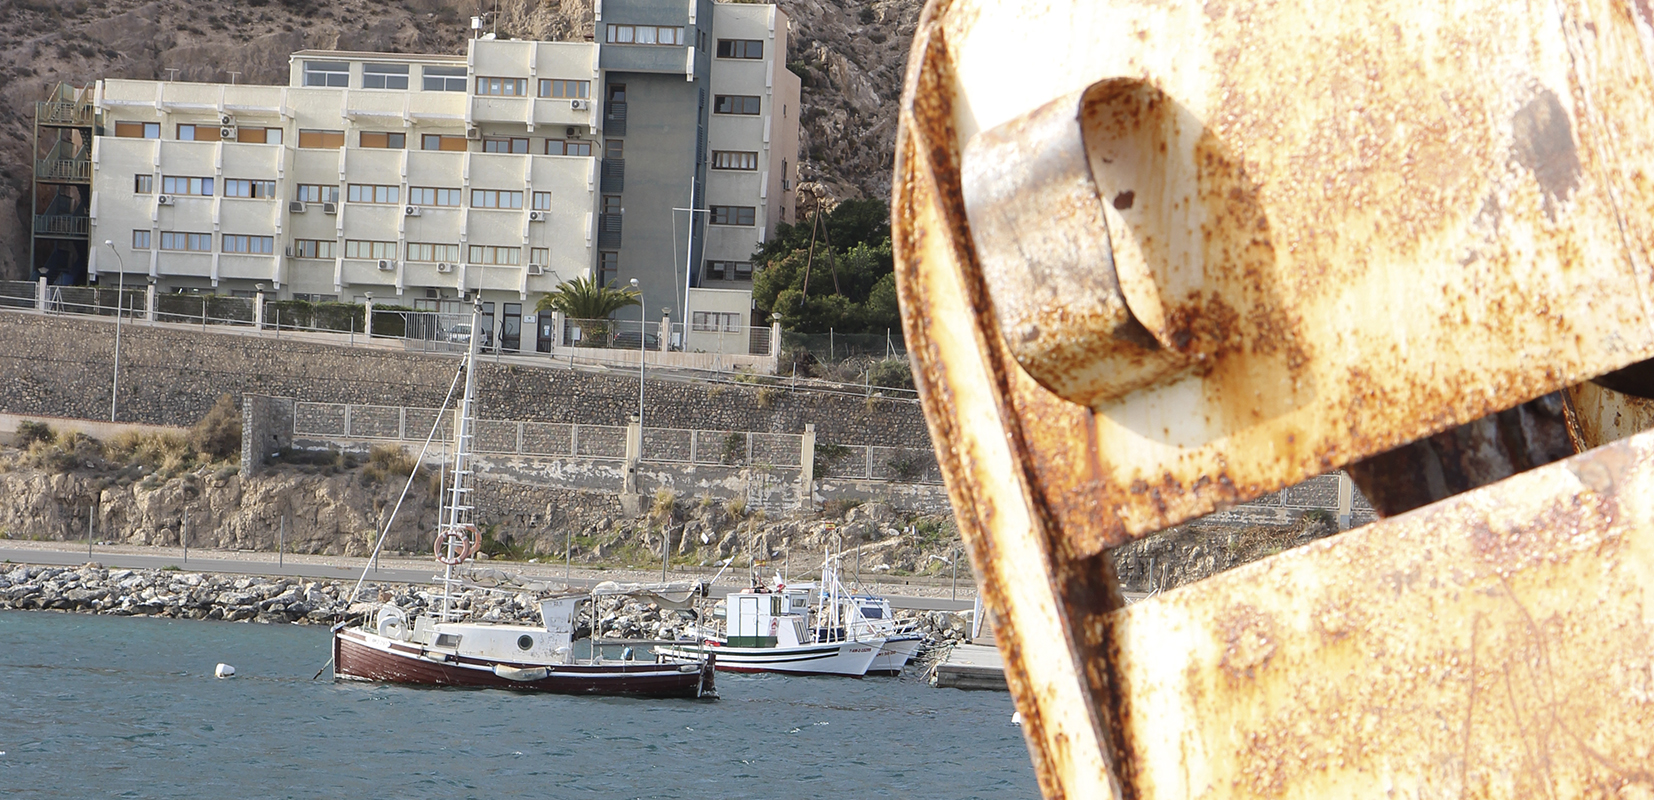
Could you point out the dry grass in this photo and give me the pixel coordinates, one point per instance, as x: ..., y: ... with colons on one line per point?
x: 386, y: 461
x: 736, y: 508
x: 62, y: 451
x: 665, y: 501
x: 166, y: 453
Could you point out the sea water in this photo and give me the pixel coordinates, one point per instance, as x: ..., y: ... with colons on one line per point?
x: 128, y: 707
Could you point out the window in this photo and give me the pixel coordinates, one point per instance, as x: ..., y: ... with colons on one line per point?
x: 175, y: 240
x: 608, y: 266
x: 322, y: 139
x: 197, y: 186
x: 496, y: 256
x: 728, y: 322
x: 503, y: 87
x: 743, y: 270
x: 242, y: 187
x: 611, y: 204
x: 542, y: 201
x: 392, y: 141
x: 364, y: 193
x: 197, y: 133
x: 138, y: 130
x: 715, y: 270
x: 426, y: 251
x: 733, y: 215
x: 735, y: 104
x: 432, y: 141
x: 614, y: 148
x: 140, y: 240
x: 143, y: 184
x: 326, y: 73
x: 740, y: 48
x: 317, y: 193
x: 539, y: 255
x: 444, y: 79
x: 384, y: 76
x: 252, y: 245
x: 505, y: 145
x: 729, y: 270
x: 732, y: 159
x: 258, y: 135
x: 429, y: 196
x: 370, y: 250
x: 645, y: 34
x: 313, y: 248
x: 558, y: 147
x: 553, y: 87
x: 491, y: 198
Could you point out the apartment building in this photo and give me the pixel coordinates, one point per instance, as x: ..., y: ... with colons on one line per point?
x: 662, y: 151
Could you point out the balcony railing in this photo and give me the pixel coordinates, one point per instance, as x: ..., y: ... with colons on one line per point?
x: 73, y: 170
x: 615, y: 119
x: 614, y: 175
x: 61, y: 225
x: 608, y: 230
x: 62, y: 113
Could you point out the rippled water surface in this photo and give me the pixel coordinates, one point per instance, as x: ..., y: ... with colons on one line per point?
x: 122, y: 707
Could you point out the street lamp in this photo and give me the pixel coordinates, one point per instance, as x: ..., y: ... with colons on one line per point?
x: 120, y: 298
x: 642, y: 350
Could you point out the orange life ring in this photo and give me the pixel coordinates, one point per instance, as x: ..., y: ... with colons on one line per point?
x: 461, y: 552
x: 775, y: 626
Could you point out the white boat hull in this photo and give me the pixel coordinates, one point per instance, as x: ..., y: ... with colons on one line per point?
x: 895, y: 654
x: 832, y: 658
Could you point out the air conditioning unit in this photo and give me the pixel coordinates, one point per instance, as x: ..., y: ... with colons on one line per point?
x: 163, y: 199
x: 445, y: 267
x: 330, y: 208
x: 571, y: 132
x: 290, y: 251
x: 473, y: 133
x: 536, y: 269
x: 536, y: 216
x: 295, y: 207
x: 386, y: 265
x: 226, y: 119
x: 226, y: 133
x: 579, y: 105
x: 411, y: 211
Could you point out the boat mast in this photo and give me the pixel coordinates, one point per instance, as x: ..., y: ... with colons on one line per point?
x: 458, y: 528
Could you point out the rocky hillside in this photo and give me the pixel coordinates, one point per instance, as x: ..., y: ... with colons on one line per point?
x: 850, y: 56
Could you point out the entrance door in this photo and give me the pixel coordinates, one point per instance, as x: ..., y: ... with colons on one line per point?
x: 488, y: 326
x: 511, y: 328
x: 543, y: 341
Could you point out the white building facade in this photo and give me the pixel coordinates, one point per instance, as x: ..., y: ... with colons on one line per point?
x: 419, y: 179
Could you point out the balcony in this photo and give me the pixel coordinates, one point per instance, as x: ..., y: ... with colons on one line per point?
x: 614, y: 119
x: 66, y: 114
x: 61, y: 225
x: 62, y: 170
x: 608, y: 231
x: 614, y: 175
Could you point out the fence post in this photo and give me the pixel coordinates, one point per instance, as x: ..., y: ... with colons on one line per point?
x: 1346, y: 498
x: 40, y: 295
x: 258, y: 310
x: 807, y: 467
x: 367, y: 317
x: 149, y: 302
x: 775, y: 338
x: 347, y: 420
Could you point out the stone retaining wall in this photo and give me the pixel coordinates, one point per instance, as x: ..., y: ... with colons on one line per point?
x: 171, y: 375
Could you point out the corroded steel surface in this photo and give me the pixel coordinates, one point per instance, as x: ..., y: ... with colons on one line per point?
x: 1498, y: 644
x: 1602, y: 415
x: 1447, y: 219
x: 1371, y: 223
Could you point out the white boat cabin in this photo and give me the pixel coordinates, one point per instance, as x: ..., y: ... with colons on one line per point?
x: 769, y: 619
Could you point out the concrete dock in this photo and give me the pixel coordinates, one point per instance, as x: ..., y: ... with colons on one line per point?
x: 971, y: 666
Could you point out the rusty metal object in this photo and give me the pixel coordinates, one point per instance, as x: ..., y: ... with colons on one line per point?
x: 1085, y: 324
x: 1474, y: 454
x: 1444, y: 222
x: 1600, y: 415
x: 1493, y: 645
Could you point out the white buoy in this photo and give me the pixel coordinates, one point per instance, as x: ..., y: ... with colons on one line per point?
x: 1016, y: 718
x: 224, y: 671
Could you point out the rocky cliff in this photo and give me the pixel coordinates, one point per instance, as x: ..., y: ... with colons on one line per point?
x: 850, y: 56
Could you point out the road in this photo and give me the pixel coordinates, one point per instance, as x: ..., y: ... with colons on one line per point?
x: 398, y: 570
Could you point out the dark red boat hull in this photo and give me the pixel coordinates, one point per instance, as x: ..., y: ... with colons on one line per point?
x: 354, y: 659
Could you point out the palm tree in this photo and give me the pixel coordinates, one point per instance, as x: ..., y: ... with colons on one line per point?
x: 589, y: 301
